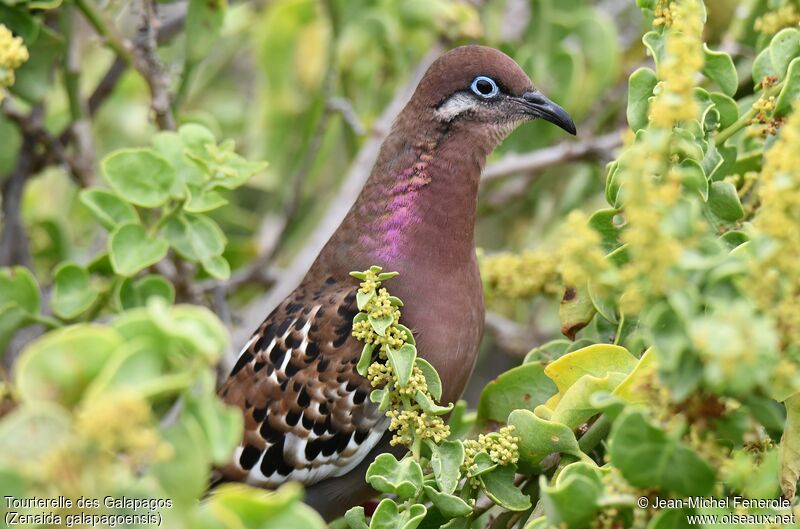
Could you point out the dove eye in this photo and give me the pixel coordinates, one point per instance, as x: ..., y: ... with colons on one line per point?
x: 484, y: 87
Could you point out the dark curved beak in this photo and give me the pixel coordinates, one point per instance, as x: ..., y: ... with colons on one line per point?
x: 537, y: 105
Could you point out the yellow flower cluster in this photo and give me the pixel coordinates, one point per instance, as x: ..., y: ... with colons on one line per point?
x: 765, y: 123
x: 407, y: 419
x: 12, y: 54
x: 380, y: 374
x: 774, y: 21
x: 392, y: 337
x: 380, y: 305
x: 650, y: 181
x: 522, y: 275
x: 579, y: 254
x: 122, y: 425
x: 502, y: 447
x: 775, y: 283
x: 409, y: 423
x: 652, y: 251
x: 683, y: 58
x: 662, y: 14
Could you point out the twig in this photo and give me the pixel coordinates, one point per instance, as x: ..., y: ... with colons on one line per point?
x: 141, y: 55
x: 106, y: 85
x: 14, y: 248
x: 537, y: 161
x: 80, y: 130
x: 512, y: 337
x: 146, y: 61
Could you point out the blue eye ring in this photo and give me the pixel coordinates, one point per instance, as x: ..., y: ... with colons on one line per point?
x: 484, y: 87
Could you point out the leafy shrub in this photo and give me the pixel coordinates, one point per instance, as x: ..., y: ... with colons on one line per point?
x: 678, y: 375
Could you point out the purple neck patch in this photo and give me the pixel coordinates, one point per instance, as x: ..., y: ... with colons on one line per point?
x: 400, y: 212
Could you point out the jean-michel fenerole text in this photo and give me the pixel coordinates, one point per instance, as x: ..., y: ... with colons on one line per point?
x: 733, y: 502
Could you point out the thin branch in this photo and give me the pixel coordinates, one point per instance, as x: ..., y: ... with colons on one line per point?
x: 141, y: 55
x: 107, y: 85
x: 512, y: 337
x: 14, y: 247
x: 146, y: 61
x: 537, y: 161
x: 80, y: 129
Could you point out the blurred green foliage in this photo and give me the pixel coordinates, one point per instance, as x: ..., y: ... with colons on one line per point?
x: 679, y: 371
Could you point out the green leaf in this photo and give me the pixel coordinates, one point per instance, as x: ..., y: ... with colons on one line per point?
x: 12, y: 318
x: 428, y: 406
x: 365, y: 360
x: 72, y: 293
x: 241, y: 506
x: 34, y: 77
x: 363, y: 298
x: 499, y: 487
x: 790, y: 448
x: 61, y: 364
x: 763, y: 67
x: 640, y: 88
x: 41, y: 429
x: 596, y: 360
x: 217, y: 267
x: 604, y: 222
x: 540, y: 437
x: 405, y: 330
x: 355, y: 518
x: 386, y: 515
x: 384, y: 276
x: 446, y: 461
x: 379, y: 325
x: 204, y: 20
x: 183, y: 476
x: 671, y: 465
x: 203, y: 201
x: 694, y: 178
x: 727, y: 108
x: 723, y: 200
x: 449, y: 505
x: 20, y: 289
x: 131, y: 249
x: 403, y: 478
x: 790, y: 92
x: 109, y: 209
x: 574, y: 499
x: 719, y: 68
x: 461, y: 420
x: 525, y: 387
x: 432, y: 379
x: 221, y: 424
x: 575, y: 406
x: 654, y: 42
x: 481, y: 464
x: 402, y: 362
x: 575, y: 311
x: 195, y: 237
x: 134, y: 293
x: 784, y: 47
x: 141, y: 176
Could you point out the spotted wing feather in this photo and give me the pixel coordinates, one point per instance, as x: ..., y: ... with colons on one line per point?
x: 306, y: 409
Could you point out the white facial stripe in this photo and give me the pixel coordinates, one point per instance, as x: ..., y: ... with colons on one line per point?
x: 455, y: 105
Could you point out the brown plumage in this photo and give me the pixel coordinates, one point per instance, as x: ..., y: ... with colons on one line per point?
x: 307, y: 413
